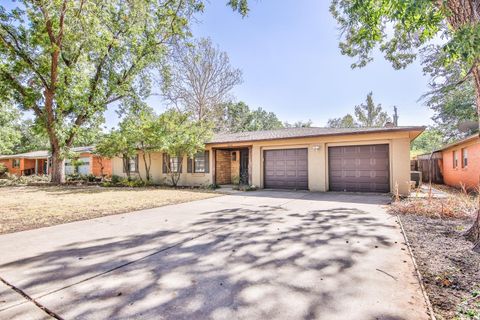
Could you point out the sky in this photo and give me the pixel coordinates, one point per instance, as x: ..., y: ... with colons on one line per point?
x: 288, y: 52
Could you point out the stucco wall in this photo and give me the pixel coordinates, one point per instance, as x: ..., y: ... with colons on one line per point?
x: 469, y: 175
x: 399, y: 145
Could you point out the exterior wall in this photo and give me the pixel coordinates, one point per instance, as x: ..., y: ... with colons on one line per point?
x: 186, y: 179
x: 235, y: 165
x: 469, y: 175
x: 399, y: 144
x: 96, y: 166
x: 8, y: 163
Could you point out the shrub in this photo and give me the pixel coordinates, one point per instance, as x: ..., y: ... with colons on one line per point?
x: 14, y: 180
x: 3, y: 169
x: 456, y: 205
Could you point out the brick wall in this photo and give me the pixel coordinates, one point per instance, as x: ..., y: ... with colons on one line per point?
x: 97, y: 163
x: 469, y: 175
x: 235, y: 165
x: 223, y: 169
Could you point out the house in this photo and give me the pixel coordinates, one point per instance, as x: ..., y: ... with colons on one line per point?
x: 38, y: 162
x: 461, y: 162
x: 316, y: 159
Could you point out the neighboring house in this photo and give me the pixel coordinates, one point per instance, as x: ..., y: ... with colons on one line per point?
x: 316, y: 159
x: 38, y: 162
x: 461, y: 162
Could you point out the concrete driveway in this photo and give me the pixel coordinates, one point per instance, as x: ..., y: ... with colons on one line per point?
x: 256, y: 255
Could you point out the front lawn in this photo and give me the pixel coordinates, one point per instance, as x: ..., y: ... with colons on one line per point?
x: 23, y: 208
x: 435, y: 228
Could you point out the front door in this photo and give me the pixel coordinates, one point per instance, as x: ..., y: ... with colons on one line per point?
x: 244, y: 166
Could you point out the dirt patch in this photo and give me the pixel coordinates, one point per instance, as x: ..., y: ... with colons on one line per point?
x: 450, y: 269
x: 23, y: 208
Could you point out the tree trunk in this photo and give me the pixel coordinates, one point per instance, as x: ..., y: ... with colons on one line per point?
x: 147, y: 164
x: 125, y: 160
x: 473, y: 234
x: 58, y: 166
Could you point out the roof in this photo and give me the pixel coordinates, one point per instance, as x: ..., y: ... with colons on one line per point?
x: 290, y: 133
x: 44, y: 153
x: 459, y: 142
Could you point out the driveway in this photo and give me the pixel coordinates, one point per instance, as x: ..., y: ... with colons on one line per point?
x: 255, y: 255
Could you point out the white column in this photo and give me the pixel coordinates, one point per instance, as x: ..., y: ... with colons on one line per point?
x: 48, y: 164
x: 36, y: 166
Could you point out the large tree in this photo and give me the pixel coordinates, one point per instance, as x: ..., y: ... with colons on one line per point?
x: 346, y: 121
x: 400, y: 27
x: 200, y: 79
x: 68, y: 60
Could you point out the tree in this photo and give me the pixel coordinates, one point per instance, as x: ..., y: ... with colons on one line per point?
x: 450, y: 97
x: 179, y: 136
x: 299, y: 124
x: 239, y: 117
x: 365, y: 24
x: 200, y: 80
x: 67, y: 60
x: 9, y: 128
x: 366, y: 115
x: 429, y: 141
x: 118, y: 143
x: 345, y: 122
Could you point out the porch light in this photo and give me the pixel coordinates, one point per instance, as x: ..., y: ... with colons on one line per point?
x: 316, y: 148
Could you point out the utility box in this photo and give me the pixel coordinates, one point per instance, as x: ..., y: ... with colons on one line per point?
x: 416, y: 176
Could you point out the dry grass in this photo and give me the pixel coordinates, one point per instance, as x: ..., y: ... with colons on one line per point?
x: 457, y: 204
x: 23, y: 208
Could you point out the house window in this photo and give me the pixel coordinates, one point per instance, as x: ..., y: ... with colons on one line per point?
x: 132, y: 164
x: 15, y: 163
x: 175, y: 164
x: 199, y: 163
x: 464, y: 157
x: 455, y: 159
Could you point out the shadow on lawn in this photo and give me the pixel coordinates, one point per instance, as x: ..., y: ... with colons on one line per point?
x: 235, y: 263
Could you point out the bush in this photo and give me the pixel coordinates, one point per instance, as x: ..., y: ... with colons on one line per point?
x: 457, y: 205
x: 117, y: 181
x: 3, y: 169
x: 14, y: 180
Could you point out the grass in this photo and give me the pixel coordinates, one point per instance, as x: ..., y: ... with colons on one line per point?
x: 457, y: 204
x: 24, y: 208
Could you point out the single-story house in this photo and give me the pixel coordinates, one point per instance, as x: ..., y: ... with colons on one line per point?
x: 39, y: 162
x: 461, y: 162
x: 316, y: 159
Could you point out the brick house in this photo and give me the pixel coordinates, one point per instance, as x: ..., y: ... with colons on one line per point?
x: 461, y: 163
x: 38, y: 162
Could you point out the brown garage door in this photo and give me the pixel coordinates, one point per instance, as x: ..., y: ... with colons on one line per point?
x: 286, y: 169
x: 359, y: 168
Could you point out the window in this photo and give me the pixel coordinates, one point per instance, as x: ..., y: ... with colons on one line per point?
x: 132, y: 164
x: 175, y: 164
x: 15, y: 163
x: 455, y: 159
x: 464, y: 157
x: 199, y: 163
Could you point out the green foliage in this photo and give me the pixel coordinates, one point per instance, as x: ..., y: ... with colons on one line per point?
x: 451, y: 95
x: 345, y: 122
x: 179, y: 136
x: 3, y: 169
x: 430, y: 140
x: 9, y: 128
x: 239, y: 117
x: 298, y: 124
x: 366, y: 115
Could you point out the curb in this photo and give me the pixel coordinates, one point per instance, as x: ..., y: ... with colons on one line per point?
x: 417, y: 271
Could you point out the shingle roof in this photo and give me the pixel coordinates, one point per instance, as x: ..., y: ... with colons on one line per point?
x: 290, y: 133
x: 456, y: 143
x: 44, y: 153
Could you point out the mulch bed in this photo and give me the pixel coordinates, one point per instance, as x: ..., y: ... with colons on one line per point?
x: 450, y: 269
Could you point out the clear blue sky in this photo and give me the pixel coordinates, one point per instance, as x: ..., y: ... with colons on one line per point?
x: 288, y: 52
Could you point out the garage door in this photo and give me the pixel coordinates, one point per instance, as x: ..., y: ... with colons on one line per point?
x: 286, y: 169
x: 359, y: 168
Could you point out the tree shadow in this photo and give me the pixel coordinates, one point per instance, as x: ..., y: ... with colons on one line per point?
x: 236, y: 263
